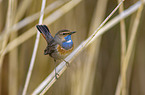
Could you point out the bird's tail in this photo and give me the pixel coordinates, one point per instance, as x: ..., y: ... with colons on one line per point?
x: 43, y: 29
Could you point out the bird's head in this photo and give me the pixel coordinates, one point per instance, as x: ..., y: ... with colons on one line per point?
x: 63, y: 36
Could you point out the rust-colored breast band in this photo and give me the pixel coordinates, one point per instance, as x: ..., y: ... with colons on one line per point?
x: 62, y: 51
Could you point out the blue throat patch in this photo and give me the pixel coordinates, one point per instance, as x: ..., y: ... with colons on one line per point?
x: 68, y: 43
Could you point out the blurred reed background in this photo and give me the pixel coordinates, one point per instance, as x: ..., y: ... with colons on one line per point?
x: 114, y: 64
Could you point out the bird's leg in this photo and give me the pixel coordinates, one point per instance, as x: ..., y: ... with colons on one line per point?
x: 56, y: 74
x: 67, y: 63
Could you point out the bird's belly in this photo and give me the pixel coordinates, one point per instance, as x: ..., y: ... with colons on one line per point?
x: 61, y: 52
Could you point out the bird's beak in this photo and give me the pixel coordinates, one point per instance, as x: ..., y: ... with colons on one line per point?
x: 72, y: 32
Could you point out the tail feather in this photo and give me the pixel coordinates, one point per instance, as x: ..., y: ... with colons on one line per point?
x: 43, y: 29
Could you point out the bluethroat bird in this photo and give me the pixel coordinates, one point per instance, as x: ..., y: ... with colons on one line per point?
x: 59, y: 46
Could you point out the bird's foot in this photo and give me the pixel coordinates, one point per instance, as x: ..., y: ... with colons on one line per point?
x: 67, y: 63
x: 56, y: 75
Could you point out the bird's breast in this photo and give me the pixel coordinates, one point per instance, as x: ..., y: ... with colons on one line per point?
x: 63, y: 51
x: 67, y: 44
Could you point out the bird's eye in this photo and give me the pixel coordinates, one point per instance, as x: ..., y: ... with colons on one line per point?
x: 64, y: 33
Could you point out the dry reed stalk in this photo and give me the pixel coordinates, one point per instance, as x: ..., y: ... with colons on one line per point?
x: 4, y: 43
x: 1, y: 18
x: 21, y: 9
x: 13, y: 72
x: 93, y: 49
x: 13, y: 58
x: 50, y: 80
x: 8, y: 26
x: 17, y: 26
x: 123, y: 34
x: 34, y: 51
x: 76, y: 72
x: 126, y: 61
x: 19, y: 14
x: 123, y: 48
x: 61, y: 11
